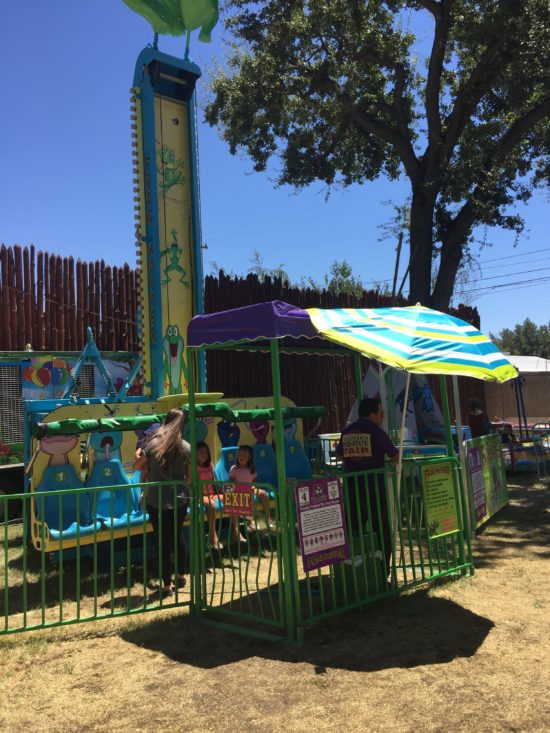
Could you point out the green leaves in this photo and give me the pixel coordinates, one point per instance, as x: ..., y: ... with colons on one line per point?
x: 453, y: 95
x: 526, y: 339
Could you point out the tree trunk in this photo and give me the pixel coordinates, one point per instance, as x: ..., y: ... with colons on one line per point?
x: 452, y: 251
x: 422, y: 209
x: 444, y: 285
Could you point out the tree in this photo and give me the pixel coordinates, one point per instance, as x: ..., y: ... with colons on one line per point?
x: 257, y: 267
x: 340, y: 279
x: 339, y: 92
x: 526, y: 339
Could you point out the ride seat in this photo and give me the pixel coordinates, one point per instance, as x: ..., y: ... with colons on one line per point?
x: 75, y: 507
x: 112, y: 505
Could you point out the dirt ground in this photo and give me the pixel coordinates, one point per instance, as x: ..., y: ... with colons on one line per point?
x: 466, y: 655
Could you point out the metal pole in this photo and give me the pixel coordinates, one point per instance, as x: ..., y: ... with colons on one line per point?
x: 194, y: 536
x: 446, y: 415
x: 289, y: 582
x: 397, y: 257
x: 358, y: 376
x: 467, y: 509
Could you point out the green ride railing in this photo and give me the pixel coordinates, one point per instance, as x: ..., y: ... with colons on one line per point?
x: 244, y: 573
x: 242, y: 577
x: 86, y: 572
x: 390, y: 547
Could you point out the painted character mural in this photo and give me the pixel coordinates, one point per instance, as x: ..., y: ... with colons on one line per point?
x: 58, y: 447
x: 174, y: 252
x: 175, y: 370
x: 170, y: 170
x: 106, y: 446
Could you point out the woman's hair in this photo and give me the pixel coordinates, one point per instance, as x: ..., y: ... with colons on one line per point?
x: 202, y: 444
x: 249, y: 465
x: 166, y: 443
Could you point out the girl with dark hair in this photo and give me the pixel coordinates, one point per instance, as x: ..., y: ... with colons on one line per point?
x: 168, y: 456
x: 244, y: 471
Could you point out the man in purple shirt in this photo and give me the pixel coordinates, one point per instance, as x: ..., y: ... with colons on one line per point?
x: 364, y: 446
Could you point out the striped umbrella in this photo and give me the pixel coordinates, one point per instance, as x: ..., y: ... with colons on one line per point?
x: 416, y: 339
x: 419, y: 340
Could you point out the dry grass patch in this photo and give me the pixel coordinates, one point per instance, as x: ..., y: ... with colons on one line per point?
x: 463, y: 655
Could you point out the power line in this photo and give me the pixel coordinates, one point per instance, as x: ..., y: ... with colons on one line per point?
x: 519, y: 254
x: 511, y: 264
x: 488, y: 288
x: 522, y: 272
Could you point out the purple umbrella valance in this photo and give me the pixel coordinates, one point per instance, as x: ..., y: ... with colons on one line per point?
x: 258, y: 322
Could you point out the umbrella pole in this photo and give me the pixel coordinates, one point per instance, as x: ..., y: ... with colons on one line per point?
x: 400, y: 463
x: 383, y: 393
x: 459, y: 436
x: 402, y: 434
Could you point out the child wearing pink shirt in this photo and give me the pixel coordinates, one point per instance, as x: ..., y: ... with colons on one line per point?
x: 244, y: 472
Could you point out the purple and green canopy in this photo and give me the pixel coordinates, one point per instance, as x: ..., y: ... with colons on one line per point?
x: 415, y: 339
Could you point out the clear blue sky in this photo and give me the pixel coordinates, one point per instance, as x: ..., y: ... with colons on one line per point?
x: 66, y: 185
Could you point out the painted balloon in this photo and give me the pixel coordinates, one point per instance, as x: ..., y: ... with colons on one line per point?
x: 44, y: 377
x: 27, y: 374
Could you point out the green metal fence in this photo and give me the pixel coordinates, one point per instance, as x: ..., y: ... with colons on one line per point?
x: 79, y: 576
x: 243, y: 581
x: 253, y: 579
x: 390, y: 547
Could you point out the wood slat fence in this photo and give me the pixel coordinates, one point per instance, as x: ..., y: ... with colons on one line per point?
x: 48, y: 301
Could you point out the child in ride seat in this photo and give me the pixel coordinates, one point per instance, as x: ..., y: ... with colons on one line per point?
x: 244, y: 472
x: 205, y: 471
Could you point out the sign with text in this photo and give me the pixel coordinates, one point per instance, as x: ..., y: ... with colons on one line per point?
x: 486, y: 477
x: 439, y: 497
x: 238, y: 500
x: 479, y: 495
x: 321, y: 526
x: 356, y: 445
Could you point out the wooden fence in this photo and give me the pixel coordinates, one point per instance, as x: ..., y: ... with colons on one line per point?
x: 48, y: 301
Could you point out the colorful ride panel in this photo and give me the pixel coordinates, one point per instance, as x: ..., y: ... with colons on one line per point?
x: 167, y: 216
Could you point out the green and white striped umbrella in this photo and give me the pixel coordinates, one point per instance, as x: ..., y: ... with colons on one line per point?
x: 416, y: 339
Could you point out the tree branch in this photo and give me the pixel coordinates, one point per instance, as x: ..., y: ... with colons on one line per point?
x: 433, y: 83
x: 402, y: 144
x: 459, y: 228
x: 400, y: 140
x: 469, y: 95
x: 430, y: 5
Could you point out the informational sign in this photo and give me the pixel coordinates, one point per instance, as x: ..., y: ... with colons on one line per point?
x: 424, y: 451
x: 486, y: 465
x: 356, y: 445
x: 238, y: 500
x: 321, y: 526
x: 439, y: 498
x: 477, y: 480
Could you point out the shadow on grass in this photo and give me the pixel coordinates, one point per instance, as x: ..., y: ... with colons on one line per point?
x: 521, y: 528
x: 408, y: 631
x: 38, y: 575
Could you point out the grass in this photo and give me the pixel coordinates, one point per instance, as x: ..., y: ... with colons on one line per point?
x: 463, y: 655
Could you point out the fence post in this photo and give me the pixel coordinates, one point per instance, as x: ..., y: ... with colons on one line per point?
x: 289, y: 581
x: 195, y: 548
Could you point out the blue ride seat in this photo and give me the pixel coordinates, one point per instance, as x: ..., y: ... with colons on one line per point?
x: 227, y: 458
x: 136, y: 490
x: 111, y: 505
x: 266, y: 465
x: 75, y: 508
x: 297, y: 463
